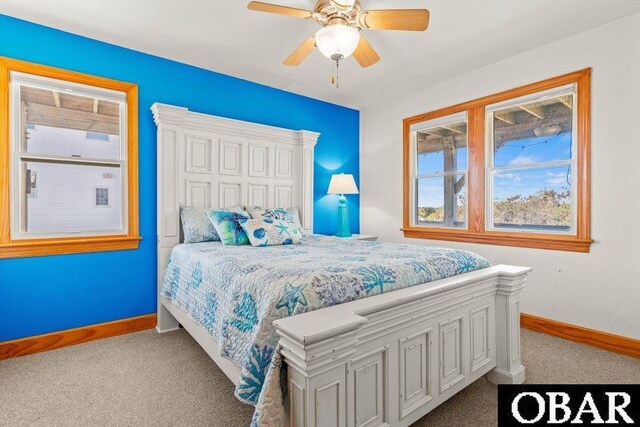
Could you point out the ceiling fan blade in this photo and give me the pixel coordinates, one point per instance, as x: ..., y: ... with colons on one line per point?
x: 302, y: 52
x: 398, y: 19
x: 280, y: 10
x: 365, y: 54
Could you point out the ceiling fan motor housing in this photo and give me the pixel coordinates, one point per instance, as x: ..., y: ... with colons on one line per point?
x: 343, y: 5
x: 328, y: 10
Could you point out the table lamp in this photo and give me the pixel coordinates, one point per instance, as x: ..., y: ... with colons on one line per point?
x: 343, y: 184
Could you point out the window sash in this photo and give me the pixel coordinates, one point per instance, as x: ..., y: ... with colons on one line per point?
x: 20, y: 232
x: 44, y: 83
x: 415, y: 177
x: 19, y: 154
x: 491, y: 169
x: 490, y: 192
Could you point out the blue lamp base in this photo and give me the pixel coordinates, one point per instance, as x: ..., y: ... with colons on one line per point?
x: 344, y: 230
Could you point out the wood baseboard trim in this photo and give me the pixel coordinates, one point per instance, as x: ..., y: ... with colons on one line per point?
x: 51, y: 341
x: 40, y: 343
x: 603, y: 340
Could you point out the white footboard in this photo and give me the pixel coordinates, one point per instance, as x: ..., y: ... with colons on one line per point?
x: 390, y: 359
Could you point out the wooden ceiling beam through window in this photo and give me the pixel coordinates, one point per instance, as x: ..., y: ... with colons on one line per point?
x: 460, y: 129
x: 45, y: 115
x: 533, y: 109
x: 567, y: 101
x: 506, y: 116
x: 56, y: 99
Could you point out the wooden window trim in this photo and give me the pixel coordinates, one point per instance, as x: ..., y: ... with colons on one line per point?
x: 11, y: 248
x: 476, y: 229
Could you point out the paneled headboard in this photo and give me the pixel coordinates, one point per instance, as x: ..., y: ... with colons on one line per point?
x: 211, y: 161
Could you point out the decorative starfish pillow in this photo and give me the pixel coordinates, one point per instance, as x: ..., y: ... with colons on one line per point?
x: 271, y: 232
x: 228, y: 225
x: 284, y: 214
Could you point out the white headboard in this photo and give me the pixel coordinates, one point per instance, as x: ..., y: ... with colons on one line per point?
x: 211, y: 161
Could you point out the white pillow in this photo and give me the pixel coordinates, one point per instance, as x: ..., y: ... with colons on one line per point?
x: 283, y: 214
x: 271, y: 232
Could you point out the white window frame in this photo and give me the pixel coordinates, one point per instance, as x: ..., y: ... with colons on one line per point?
x: 17, y: 155
x: 491, y: 169
x: 415, y: 177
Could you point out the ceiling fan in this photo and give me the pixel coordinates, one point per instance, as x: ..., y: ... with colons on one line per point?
x: 342, y: 22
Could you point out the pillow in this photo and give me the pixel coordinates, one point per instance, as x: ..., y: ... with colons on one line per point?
x: 251, y: 208
x: 228, y: 226
x: 271, y: 232
x: 284, y: 214
x: 196, y: 225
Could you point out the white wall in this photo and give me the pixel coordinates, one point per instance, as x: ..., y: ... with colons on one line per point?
x: 599, y: 290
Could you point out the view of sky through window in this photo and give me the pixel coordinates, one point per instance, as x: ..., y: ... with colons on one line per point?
x: 528, y: 152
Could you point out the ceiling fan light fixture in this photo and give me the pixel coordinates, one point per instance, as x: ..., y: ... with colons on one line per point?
x: 337, y: 41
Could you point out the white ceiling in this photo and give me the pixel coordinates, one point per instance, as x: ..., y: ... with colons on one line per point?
x: 222, y: 35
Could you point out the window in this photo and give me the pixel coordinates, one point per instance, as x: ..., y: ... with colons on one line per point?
x: 59, y: 173
x: 508, y: 169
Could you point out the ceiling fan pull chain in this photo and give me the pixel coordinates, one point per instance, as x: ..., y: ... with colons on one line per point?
x: 333, y: 73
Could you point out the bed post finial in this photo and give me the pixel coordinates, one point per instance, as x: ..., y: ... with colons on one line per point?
x: 509, y: 368
x: 318, y: 370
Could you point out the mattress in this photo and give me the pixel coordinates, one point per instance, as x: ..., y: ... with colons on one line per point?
x: 236, y: 292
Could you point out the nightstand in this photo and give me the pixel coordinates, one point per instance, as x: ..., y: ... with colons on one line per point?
x: 369, y: 237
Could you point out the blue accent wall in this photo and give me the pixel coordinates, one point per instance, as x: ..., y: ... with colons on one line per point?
x: 46, y: 294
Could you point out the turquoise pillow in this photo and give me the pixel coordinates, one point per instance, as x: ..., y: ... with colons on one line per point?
x: 271, y: 232
x: 228, y: 226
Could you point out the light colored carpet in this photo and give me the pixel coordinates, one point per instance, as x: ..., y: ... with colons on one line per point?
x: 147, y: 379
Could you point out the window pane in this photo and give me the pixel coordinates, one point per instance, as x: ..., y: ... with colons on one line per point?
x: 533, y: 199
x: 64, y: 198
x: 442, y: 148
x: 63, y: 124
x: 534, y: 133
x: 441, y: 201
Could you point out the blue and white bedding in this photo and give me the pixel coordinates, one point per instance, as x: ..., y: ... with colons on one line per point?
x: 236, y: 292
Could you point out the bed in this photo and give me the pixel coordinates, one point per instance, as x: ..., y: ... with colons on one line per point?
x: 371, y: 334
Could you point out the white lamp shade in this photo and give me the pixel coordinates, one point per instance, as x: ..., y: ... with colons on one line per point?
x: 337, y: 39
x: 342, y: 184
